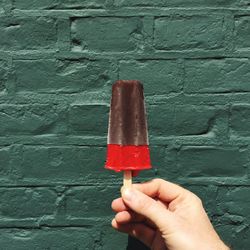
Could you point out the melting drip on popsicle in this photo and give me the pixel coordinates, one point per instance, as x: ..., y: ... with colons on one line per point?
x: 127, y: 135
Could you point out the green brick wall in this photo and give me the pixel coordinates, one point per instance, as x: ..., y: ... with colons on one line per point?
x: 58, y: 60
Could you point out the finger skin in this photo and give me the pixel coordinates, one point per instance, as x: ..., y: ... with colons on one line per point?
x: 118, y: 205
x: 164, y: 190
x: 128, y: 216
x: 140, y: 231
x: 148, y: 207
x: 177, y: 216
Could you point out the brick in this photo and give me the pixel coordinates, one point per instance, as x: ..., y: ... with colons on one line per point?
x: 234, y: 234
x: 211, y: 161
x: 242, y: 32
x: 49, y: 238
x: 232, y: 197
x: 5, y: 158
x: 55, y: 191
x: 183, y: 33
x: 157, y: 155
x: 179, y: 120
x: 217, y: 75
x: 95, y: 120
x: 230, y: 224
x: 58, y: 4
x: 5, y: 5
x: 111, y: 239
x: 163, y: 160
x: 22, y: 203
x: 67, y: 76
x: 159, y: 164
x: 70, y: 164
x: 239, y: 120
x: 84, y: 202
x: 165, y: 74
x: 28, y: 34
x: 203, y: 192
x: 31, y: 119
x: 35, y: 4
x: 3, y: 75
x: 243, y: 3
x: 104, y: 34
x: 177, y: 3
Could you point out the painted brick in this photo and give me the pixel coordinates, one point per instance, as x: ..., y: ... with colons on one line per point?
x: 244, y: 3
x: 111, y: 240
x: 232, y: 197
x: 77, y: 238
x: 31, y: 119
x: 191, y: 55
x: 157, y: 155
x: 217, y: 76
x: 84, y: 202
x: 28, y: 34
x: 70, y: 164
x: 211, y: 161
x: 48, y: 238
x: 3, y: 75
x: 58, y: 4
x: 67, y: 76
x: 4, y: 5
x: 235, y: 234
x: 166, y: 74
x: 163, y: 159
x: 203, y: 192
x: 183, y: 33
x: 5, y: 158
x: 106, y: 34
x: 240, y: 119
x: 242, y: 32
x: 95, y: 120
x: 168, y: 120
x: 21, y: 203
x: 34, y: 4
x: 178, y: 3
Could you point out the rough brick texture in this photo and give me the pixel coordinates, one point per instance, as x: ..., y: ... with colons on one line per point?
x: 58, y: 60
x: 195, y: 32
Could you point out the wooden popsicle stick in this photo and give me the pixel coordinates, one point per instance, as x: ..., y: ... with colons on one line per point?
x: 127, y: 179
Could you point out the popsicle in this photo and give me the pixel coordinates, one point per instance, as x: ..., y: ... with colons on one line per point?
x: 128, y: 147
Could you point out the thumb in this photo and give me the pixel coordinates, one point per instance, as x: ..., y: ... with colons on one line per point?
x: 148, y: 207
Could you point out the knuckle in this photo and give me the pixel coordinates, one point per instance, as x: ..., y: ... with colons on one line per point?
x: 197, y: 200
x: 158, y: 180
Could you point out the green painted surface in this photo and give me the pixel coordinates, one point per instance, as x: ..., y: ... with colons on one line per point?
x: 58, y: 60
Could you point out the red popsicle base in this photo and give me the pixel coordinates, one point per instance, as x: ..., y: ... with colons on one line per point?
x: 128, y: 157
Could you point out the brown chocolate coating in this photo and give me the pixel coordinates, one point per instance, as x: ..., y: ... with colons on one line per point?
x: 127, y: 119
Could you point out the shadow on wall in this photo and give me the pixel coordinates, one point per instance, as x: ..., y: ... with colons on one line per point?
x: 134, y: 244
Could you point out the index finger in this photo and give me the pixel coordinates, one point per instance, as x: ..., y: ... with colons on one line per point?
x: 164, y: 190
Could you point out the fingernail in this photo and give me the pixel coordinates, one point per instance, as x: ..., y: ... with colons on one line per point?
x: 128, y: 194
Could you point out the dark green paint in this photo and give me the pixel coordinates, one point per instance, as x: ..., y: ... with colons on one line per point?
x: 58, y: 60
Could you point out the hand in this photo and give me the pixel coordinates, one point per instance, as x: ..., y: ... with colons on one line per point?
x: 164, y: 215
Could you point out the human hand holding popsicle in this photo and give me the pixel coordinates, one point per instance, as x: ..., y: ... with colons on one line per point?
x: 165, y: 216
x: 160, y: 214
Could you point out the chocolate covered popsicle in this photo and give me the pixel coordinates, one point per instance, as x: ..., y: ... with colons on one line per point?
x: 127, y: 148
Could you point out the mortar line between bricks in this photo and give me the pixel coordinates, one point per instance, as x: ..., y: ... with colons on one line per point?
x: 158, y: 55
x: 135, y: 11
x: 193, y: 182
x: 45, y: 227
x: 54, y: 185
